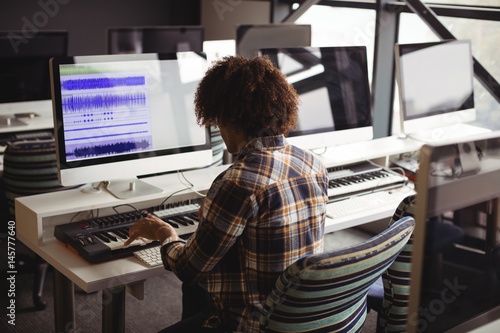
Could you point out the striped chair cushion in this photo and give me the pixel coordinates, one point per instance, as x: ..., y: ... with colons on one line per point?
x: 29, y: 168
x: 393, y: 316
x: 327, y: 292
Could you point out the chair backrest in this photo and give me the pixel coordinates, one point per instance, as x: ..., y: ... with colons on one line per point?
x: 29, y: 168
x: 327, y: 292
x: 393, y: 317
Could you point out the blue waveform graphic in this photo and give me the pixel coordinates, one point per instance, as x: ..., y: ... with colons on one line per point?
x: 106, y: 129
x: 103, y: 82
x: 111, y: 149
x: 78, y: 103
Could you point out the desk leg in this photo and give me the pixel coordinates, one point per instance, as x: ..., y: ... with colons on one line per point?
x: 64, y: 303
x: 113, y: 310
x: 492, y: 223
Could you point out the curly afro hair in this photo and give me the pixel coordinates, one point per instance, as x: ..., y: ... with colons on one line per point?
x: 250, y: 94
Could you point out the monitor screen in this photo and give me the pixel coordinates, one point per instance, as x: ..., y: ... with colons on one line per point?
x: 250, y: 38
x: 218, y: 49
x: 332, y: 83
x: 435, y: 82
x: 123, y: 116
x: 24, y: 69
x: 161, y: 39
x: 455, y: 264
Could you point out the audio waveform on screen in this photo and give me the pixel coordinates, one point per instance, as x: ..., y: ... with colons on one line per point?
x: 110, y: 149
x: 111, y: 129
x: 103, y: 82
x: 77, y: 103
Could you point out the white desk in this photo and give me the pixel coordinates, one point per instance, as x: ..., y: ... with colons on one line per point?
x: 40, y: 213
x: 43, y: 121
x: 37, y: 215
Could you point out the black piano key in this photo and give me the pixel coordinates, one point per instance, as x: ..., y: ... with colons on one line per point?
x: 180, y: 220
x: 172, y: 223
x: 102, y: 237
x: 193, y: 217
x: 110, y: 236
x: 119, y: 232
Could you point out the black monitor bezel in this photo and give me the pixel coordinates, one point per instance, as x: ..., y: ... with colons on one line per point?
x: 199, y: 29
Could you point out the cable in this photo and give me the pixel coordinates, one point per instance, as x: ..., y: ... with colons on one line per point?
x: 129, y: 205
x: 190, y: 185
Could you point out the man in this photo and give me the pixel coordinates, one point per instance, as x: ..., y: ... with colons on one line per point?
x: 263, y: 213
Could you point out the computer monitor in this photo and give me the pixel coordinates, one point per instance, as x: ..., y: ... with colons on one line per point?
x: 250, y: 38
x: 155, y: 39
x: 24, y: 71
x: 454, y: 284
x: 118, y: 117
x: 332, y: 83
x: 218, y: 49
x: 435, y: 82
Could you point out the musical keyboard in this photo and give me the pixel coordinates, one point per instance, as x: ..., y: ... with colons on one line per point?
x: 361, y: 178
x: 101, y: 239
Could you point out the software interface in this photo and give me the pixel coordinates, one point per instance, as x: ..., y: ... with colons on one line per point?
x: 123, y: 107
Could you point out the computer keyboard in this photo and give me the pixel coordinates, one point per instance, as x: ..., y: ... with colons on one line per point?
x: 151, y: 257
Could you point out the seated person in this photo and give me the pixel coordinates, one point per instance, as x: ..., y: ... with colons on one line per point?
x: 260, y: 215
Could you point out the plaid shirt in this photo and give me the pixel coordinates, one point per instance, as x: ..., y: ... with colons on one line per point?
x: 260, y: 215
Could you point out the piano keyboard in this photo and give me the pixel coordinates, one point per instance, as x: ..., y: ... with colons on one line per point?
x: 362, y: 179
x: 101, y: 239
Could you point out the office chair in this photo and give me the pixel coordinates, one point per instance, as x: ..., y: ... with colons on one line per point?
x: 396, y: 280
x: 30, y: 168
x: 389, y: 295
x: 326, y: 292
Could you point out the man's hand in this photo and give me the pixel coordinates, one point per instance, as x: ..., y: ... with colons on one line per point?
x: 151, y: 227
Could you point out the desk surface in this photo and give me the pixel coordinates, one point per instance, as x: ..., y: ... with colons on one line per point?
x: 94, y: 277
x: 43, y: 212
x: 43, y: 120
x: 40, y: 213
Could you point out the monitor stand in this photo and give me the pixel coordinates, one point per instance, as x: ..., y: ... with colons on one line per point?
x: 11, y: 121
x: 130, y: 188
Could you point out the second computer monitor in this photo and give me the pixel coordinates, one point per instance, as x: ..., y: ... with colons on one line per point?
x: 333, y: 86
x: 436, y: 90
x: 24, y: 73
x: 157, y: 39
